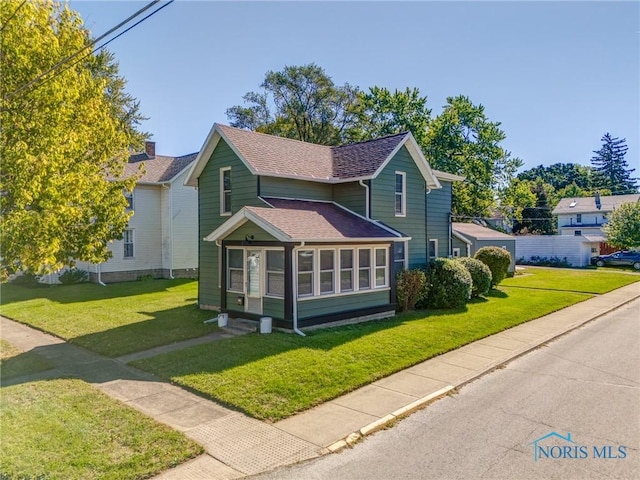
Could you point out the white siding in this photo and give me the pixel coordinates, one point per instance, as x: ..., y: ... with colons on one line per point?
x: 577, y: 250
x: 185, y: 224
x: 568, y: 223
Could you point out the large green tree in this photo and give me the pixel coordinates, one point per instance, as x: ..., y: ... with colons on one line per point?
x: 611, y: 168
x: 462, y: 140
x: 64, y: 135
x: 300, y: 102
x: 623, y: 227
x: 380, y: 112
x: 562, y: 175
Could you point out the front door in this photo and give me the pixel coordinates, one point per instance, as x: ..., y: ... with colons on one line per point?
x: 254, y: 282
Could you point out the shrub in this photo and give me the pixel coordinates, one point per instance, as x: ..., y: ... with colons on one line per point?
x: 448, y: 284
x: 480, y: 275
x: 411, y: 287
x: 545, y: 262
x: 73, y: 276
x: 497, y: 259
x: 27, y: 279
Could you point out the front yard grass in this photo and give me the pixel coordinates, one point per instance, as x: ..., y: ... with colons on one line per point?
x: 114, y: 320
x: 274, y: 376
x: 587, y: 281
x: 14, y: 362
x: 65, y: 428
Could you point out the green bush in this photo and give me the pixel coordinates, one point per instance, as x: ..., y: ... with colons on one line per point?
x: 73, y: 276
x: 411, y: 287
x: 480, y: 275
x: 27, y: 279
x: 497, y: 259
x: 448, y: 284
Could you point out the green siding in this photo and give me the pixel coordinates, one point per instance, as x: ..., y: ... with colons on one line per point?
x: 383, y: 204
x: 250, y: 228
x: 290, y: 188
x: 457, y: 243
x: 351, y: 195
x: 243, y: 192
x: 273, y: 307
x: 326, y: 306
x: 438, y: 210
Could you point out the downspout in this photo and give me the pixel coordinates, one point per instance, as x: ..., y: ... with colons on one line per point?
x: 427, y: 191
x: 367, y: 207
x: 99, y: 272
x: 295, y: 293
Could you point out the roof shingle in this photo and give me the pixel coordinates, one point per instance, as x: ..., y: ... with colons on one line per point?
x: 158, y: 169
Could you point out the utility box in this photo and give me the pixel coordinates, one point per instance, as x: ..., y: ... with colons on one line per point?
x: 223, y: 319
x: 265, y: 324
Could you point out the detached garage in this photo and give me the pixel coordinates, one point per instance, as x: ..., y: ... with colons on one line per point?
x: 468, y: 238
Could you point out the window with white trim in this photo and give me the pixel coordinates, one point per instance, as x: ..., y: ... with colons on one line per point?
x: 225, y: 191
x: 364, y: 268
x: 129, y: 197
x: 401, y: 197
x: 456, y: 252
x: 346, y: 270
x: 433, y: 248
x: 235, y: 270
x: 305, y: 273
x: 381, y: 267
x: 275, y: 273
x: 578, y: 218
x: 327, y: 271
x: 127, y: 240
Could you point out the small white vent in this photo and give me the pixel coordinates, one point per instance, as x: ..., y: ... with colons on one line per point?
x: 573, y: 204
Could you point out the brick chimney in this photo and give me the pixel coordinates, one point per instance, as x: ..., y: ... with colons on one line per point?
x: 150, y: 149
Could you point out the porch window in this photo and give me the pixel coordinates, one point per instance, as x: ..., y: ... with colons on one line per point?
x: 381, y: 267
x: 225, y: 191
x: 364, y: 269
x: 129, y: 197
x: 275, y: 273
x: 401, y: 188
x: 305, y: 273
x: 327, y: 270
x: 346, y: 270
x: 235, y: 268
x: 128, y: 243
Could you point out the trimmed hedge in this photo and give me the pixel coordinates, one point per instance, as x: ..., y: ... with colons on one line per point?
x: 497, y: 259
x: 449, y: 284
x: 480, y: 275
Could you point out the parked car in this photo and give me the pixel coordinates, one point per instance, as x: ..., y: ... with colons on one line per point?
x: 623, y: 258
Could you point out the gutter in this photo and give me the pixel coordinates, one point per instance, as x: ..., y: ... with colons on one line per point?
x: 168, y: 186
x: 367, y: 207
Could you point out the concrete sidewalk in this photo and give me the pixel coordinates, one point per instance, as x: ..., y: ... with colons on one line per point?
x: 238, y: 445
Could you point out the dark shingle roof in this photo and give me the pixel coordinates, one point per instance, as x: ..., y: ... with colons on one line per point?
x: 307, y: 220
x: 158, y: 169
x: 270, y: 155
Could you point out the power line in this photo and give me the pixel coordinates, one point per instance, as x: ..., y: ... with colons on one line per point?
x: 74, y: 55
x: 12, y: 15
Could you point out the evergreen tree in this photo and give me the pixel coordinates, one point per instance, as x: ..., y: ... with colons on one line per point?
x: 611, y: 168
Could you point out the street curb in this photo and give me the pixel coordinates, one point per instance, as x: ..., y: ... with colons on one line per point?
x: 388, y: 420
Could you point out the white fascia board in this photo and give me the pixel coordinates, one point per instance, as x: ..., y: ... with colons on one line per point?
x: 461, y: 237
x: 448, y: 176
x: 239, y: 219
x: 418, y: 158
x: 342, y: 240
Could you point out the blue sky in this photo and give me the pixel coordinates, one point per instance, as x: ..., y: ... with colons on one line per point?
x: 557, y: 75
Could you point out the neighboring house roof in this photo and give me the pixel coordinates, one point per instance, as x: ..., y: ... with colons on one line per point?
x: 478, y: 232
x: 269, y: 155
x: 158, y: 169
x: 303, y: 220
x: 588, y: 204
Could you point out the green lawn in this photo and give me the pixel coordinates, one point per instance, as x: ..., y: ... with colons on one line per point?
x: 588, y: 281
x: 274, y: 376
x: 67, y: 429
x: 114, y: 320
x: 14, y: 362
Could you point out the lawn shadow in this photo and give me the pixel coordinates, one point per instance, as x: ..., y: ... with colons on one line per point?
x: 86, y: 292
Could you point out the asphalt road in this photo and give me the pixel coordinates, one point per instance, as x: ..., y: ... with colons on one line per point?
x: 586, y: 384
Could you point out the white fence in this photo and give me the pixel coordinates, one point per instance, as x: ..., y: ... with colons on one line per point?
x: 575, y: 249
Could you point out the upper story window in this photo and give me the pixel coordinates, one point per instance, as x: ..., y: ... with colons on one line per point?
x: 401, y: 194
x: 129, y: 197
x: 579, y: 217
x: 127, y: 238
x: 225, y: 191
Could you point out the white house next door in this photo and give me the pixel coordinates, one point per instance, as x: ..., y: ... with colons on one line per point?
x: 254, y: 282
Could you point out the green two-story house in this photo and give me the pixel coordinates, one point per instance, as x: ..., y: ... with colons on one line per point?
x: 309, y: 234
